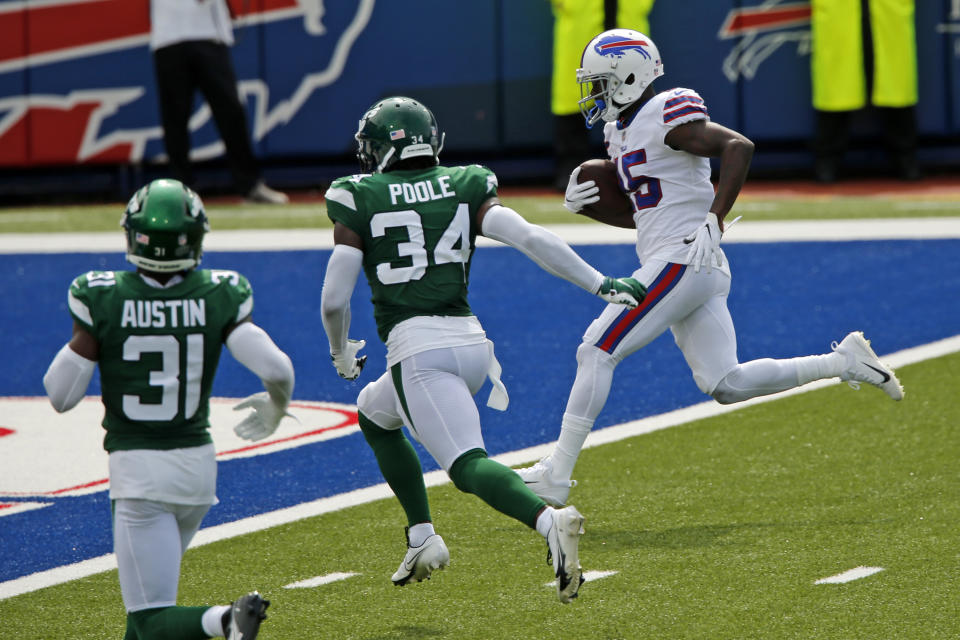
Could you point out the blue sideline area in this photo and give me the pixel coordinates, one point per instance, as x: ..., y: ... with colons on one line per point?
x: 788, y: 299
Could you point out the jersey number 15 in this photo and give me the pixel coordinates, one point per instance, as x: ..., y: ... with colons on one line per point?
x: 644, y: 190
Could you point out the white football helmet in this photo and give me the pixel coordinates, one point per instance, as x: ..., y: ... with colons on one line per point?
x: 615, y: 68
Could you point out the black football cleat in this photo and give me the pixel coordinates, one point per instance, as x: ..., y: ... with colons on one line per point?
x: 242, y: 621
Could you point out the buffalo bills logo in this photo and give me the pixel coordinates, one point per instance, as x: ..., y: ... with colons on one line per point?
x: 618, y: 46
x: 107, y: 114
x: 760, y: 30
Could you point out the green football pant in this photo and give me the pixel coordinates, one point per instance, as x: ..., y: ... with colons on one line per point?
x: 166, y: 623
x: 400, y: 467
x: 497, y: 485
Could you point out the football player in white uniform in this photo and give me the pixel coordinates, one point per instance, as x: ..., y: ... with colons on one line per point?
x: 661, y: 144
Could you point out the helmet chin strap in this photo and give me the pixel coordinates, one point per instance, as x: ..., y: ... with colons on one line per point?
x: 386, y: 157
x: 612, y: 111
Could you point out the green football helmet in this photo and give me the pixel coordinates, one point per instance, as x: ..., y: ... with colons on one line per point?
x: 395, y: 129
x: 165, y: 223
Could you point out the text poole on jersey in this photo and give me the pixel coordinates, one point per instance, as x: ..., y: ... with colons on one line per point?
x: 422, y: 191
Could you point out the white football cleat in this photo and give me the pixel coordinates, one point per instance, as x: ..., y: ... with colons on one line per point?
x: 420, y: 562
x: 542, y: 481
x: 260, y: 193
x: 863, y: 365
x: 563, y: 551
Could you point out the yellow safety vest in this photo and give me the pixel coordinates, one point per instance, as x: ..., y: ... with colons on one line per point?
x: 575, y: 23
x: 836, y: 62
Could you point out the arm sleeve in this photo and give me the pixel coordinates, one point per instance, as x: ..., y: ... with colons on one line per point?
x: 551, y: 253
x: 67, y: 378
x: 338, y: 283
x: 253, y: 348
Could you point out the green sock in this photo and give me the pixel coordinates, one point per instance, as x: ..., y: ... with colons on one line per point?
x: 497, y: 485
x: 131, y: 633
x: 167, y: 623
x: 400, y: 467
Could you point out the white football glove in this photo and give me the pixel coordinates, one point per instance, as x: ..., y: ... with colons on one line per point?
x: 347, y: 363
x: 263, y: 420
x: 705, y: 244
x: 580, y: 194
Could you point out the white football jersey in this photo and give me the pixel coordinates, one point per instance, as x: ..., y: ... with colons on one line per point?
x: 670, y: 190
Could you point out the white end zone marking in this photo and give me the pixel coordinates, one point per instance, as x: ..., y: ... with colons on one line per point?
x: 305, y: 510
x: 57, y: 575
x: 589, y: 576
x: 9, y: 508
x: 320, y: 580
x: 74, y: 463
x: 850, y: 575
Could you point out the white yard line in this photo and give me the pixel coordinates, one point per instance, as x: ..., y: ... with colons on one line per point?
x: 850, y: 575
x: 616, y: 433
x: 320, y: 580
x: 588, y: 576
x: 576, y: 234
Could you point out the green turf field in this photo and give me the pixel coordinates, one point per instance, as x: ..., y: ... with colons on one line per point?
x: 539, y: 209
x: 715, y: 529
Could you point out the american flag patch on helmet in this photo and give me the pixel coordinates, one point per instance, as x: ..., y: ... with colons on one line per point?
x: 396, y: 135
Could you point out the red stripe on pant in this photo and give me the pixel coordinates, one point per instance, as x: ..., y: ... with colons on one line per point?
x: 652, y: 297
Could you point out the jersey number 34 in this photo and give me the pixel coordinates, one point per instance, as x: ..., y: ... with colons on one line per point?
x: 415, y: 247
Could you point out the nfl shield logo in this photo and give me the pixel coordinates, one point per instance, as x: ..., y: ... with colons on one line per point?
x: 396, y: 135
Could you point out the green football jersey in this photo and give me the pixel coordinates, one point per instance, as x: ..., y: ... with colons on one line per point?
x: 418, y: 229
x: 159, y: 350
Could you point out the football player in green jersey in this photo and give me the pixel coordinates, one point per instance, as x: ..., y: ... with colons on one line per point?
x: 410, y: 225
x: 156, y: 334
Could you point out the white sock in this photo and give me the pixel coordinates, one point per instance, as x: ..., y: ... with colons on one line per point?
x: 212, y: 621
x: 573, y: 432
x: 545, y: 521
x: 419, y: 533
x: 810, y: 368
x: 765, y: 376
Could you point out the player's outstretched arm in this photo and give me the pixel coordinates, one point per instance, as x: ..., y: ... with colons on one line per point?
x: 253, y: 348
x: 69, y: 374
x: 338, y: 284
x: 554, y: 255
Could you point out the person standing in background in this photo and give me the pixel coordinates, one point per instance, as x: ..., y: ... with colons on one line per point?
x: 190, y: 41
x: 861, y: 49
x: 575, y: 22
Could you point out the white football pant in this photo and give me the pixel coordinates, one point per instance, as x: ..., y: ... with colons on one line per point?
x: 432, y: 393
x: 693, y: 305
x: 149, y: 539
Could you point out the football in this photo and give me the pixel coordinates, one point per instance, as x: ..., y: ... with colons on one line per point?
x: 614, y: 207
